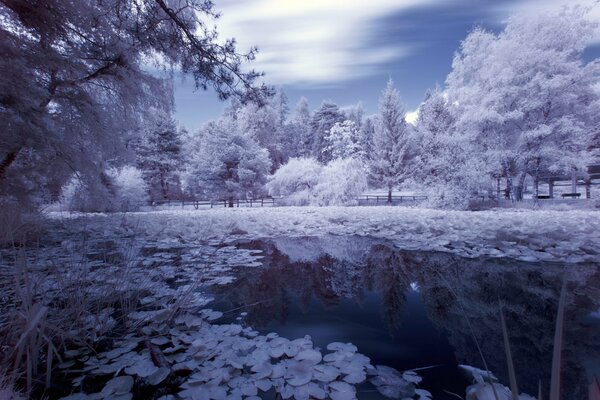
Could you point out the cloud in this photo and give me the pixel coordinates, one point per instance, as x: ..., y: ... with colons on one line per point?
x: 314, y: 42
x: 412, y: 116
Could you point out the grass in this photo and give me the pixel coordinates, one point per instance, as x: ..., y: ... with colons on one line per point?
x: 555, y: 379
x: 39, y: 324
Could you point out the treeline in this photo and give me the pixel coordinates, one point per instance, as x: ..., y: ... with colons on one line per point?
x: 517, y: 104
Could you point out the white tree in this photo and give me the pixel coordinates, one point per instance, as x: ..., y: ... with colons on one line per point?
x: 342, y: 141
x: 322, y: 121
x: 365, y: 139
x: 159, y: 156
x: 74, y: 81
x: 298, y: 140
x: 262, y: 123
x: 295, y: 181
x: 392, y: 146
x: 526, y: 97
x: 229, y: 164
x: 341, y: 182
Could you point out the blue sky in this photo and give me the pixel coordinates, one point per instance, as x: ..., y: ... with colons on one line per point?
x: 345, y: 50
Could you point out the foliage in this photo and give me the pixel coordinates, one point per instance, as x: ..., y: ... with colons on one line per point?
x: 304, y: 181
x: 341, y: 182
x: 322, y: 121
x: 524, y: 96
x: 84, y: 82
x: 390, y: 163
x: 342, y: 140
x: 159, y: 156
x: 295, y: 181
x: 228, y: 163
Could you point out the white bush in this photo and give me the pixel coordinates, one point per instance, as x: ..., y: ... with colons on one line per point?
x: 124, y: 190
x: 303, y: 181
x: 295, y: 181
x: 131, y: 189
x: 341, y: 182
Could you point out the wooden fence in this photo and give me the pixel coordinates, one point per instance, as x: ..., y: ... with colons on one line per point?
x: 262, y: 202
x: 369, y: 199
x: 366, y: 200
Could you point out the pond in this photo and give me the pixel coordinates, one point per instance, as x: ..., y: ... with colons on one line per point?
x: 411, y: 310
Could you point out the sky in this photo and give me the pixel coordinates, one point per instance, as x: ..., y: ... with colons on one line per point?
x: 346, y: 50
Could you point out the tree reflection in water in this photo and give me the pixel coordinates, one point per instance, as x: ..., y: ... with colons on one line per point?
x: 359, y: 290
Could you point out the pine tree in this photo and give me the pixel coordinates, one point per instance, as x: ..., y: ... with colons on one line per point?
x: 159, y: 157
x: 229, y: 164
x: 321, y: 123
x: 393, y: 152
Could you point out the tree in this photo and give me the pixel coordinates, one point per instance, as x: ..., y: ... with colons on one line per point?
x: 342, y: 141
x: 392, y: 147
x: 295, y: 181
x: 229, y: 164
x: 83, y: 83
x: 435, y: 128
x: 159, y: 157
x: 365, y: 138
x: 262, y: 123
x: 355, y: 114
x: 300, y: 134
x: 322, y: 121
x: 526, y: 97
x: 341, y: 182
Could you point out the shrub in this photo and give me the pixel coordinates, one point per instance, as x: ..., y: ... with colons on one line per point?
x: 295, y: 181
x: 341, y: 182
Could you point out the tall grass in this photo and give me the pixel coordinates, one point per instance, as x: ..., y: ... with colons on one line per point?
x: 40, y: 323
x: 555, y: 379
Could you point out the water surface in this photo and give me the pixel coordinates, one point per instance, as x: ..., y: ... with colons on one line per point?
x: 414, y: 309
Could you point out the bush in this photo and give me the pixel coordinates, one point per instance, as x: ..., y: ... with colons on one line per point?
x: 132, y: 190
x: 341, y: 182
x: 120, y: 190
x: 295, y: 181
x: 303, y: 181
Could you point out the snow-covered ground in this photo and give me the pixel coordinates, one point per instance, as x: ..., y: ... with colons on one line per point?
x: 564, y: 236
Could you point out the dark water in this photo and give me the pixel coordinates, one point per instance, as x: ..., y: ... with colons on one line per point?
x: 413, y: 309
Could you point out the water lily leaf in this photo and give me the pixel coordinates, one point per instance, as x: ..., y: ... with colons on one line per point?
x: 342, y: 391
x: 287, y: 391
x: 355, y: 378
x: 158, y: 376
x: 143, y: 368
x: 118, y: 385
x: 412, y: 377
x: 325, y: 373
x: 160, y: 341
x: 311, y: 355
x: 423, y: 394
x: 302, y: 392
x: 316, y: 391
x: 298, y: 373
x: 344, y: 347
x: 264, y: 384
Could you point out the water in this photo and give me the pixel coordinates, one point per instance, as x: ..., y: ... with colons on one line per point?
x: 413, y: 309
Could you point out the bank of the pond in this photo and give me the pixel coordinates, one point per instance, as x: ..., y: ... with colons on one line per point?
x: 526, y: 235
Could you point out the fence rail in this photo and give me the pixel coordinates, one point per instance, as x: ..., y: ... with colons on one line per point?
x: 369, y: 199
x: 273, y: 201
x: 266, y: 201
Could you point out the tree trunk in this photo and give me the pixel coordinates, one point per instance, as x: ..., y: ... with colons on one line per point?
x: 519, y: 187
x: 508, y: 188
x: 389, y: 195
x: 8, y: 160
x: 231, y: 201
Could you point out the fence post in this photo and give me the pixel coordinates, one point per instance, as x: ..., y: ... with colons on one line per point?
x: 262, y: 202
